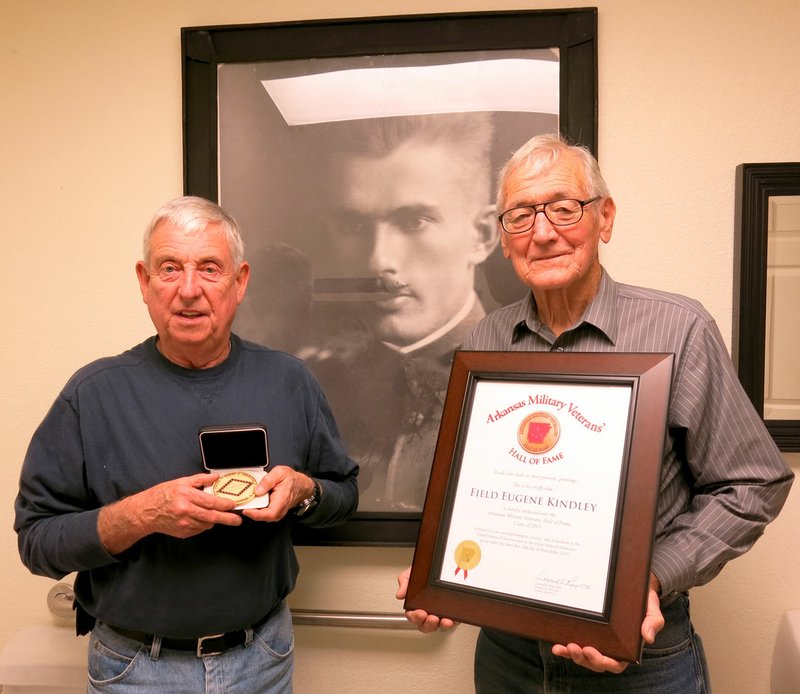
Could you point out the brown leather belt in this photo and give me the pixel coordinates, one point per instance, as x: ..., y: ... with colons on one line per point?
x: 213, y: 644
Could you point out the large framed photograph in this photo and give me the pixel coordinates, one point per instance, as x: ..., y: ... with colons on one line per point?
x: 359, y: 156
x: 540, y: 513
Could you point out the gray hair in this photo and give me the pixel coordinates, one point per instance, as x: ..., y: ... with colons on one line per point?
x: 193, y: 214
x: 539, y: 154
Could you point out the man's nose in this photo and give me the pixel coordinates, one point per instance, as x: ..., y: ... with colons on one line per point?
x: 543, y: 229
x: 189, y: 286
x: 382, y: 256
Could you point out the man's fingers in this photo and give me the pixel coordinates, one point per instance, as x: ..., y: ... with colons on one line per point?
x: 201, y: 479
x: 589, y: 657
x: 402, y: 584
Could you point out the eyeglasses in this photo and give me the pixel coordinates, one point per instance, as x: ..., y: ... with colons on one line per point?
x: 518, y: 220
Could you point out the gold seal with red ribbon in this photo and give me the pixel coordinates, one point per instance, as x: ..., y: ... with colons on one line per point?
x: 467, y: 556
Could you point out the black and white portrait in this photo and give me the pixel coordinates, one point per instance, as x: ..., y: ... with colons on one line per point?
x: 364, y: 187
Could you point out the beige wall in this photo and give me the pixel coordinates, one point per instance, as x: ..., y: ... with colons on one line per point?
x: 91, y: 123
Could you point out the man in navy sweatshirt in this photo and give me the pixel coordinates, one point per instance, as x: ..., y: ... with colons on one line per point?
x: 181, y: 591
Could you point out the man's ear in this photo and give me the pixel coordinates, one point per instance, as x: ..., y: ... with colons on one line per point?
x: 608, y: 210
x: 486, y: 236
x: 242, y: 277
x: 144, y: 279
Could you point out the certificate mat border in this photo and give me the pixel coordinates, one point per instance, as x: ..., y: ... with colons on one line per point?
x: 616, y: 633
x: 630, y: 383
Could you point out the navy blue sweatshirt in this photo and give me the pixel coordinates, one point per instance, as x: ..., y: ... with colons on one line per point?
x: 123, y: 424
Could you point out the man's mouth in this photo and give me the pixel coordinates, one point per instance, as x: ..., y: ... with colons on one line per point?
x: 392, y: 294
x: 545, y: 258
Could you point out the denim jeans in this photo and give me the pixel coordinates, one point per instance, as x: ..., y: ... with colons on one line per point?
x: 264, y: 663
x: 673, y: 664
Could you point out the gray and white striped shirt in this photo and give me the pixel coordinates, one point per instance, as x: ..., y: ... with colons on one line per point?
x: 723, y: 478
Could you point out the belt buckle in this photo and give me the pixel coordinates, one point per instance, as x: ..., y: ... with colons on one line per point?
x: 202, y: 640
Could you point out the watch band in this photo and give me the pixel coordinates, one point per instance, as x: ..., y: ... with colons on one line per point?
x: 306, y: 505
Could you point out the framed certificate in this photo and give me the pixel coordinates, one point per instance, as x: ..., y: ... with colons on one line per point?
x: 540, y: 510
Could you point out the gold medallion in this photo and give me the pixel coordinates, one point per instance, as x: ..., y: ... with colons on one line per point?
x: 239, y: 486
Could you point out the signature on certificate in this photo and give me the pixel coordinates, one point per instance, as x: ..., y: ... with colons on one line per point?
x: 545, y: 583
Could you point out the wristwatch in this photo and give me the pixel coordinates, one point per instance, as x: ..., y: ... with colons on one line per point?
x: 307, y: 505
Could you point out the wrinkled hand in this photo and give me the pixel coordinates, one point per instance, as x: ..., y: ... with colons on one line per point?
x: 178, y: 508
x: 594, y: 660
x: 286, y: 487
x: 426, y: 623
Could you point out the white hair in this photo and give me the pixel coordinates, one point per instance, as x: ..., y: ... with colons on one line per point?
x: 192, y: 213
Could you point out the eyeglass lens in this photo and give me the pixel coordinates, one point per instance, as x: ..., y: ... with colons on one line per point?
x: 560, y: 212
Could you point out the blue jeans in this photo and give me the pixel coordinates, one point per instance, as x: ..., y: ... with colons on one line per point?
x: 674, y: 664
x: 264, y: 663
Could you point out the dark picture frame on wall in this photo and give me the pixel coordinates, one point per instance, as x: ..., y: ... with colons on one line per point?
x: 268, y: 108
x: 756, y: 184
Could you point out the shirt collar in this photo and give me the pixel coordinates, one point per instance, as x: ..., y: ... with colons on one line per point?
x: 601, y: 313
x: 462, y: 314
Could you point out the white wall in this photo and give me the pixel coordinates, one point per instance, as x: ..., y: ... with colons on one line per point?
x: 91, y: 123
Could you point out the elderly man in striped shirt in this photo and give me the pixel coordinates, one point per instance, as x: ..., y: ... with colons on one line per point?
x: 723, y: 479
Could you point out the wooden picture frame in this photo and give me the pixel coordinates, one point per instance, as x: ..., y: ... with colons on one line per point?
x: 541, y: 507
